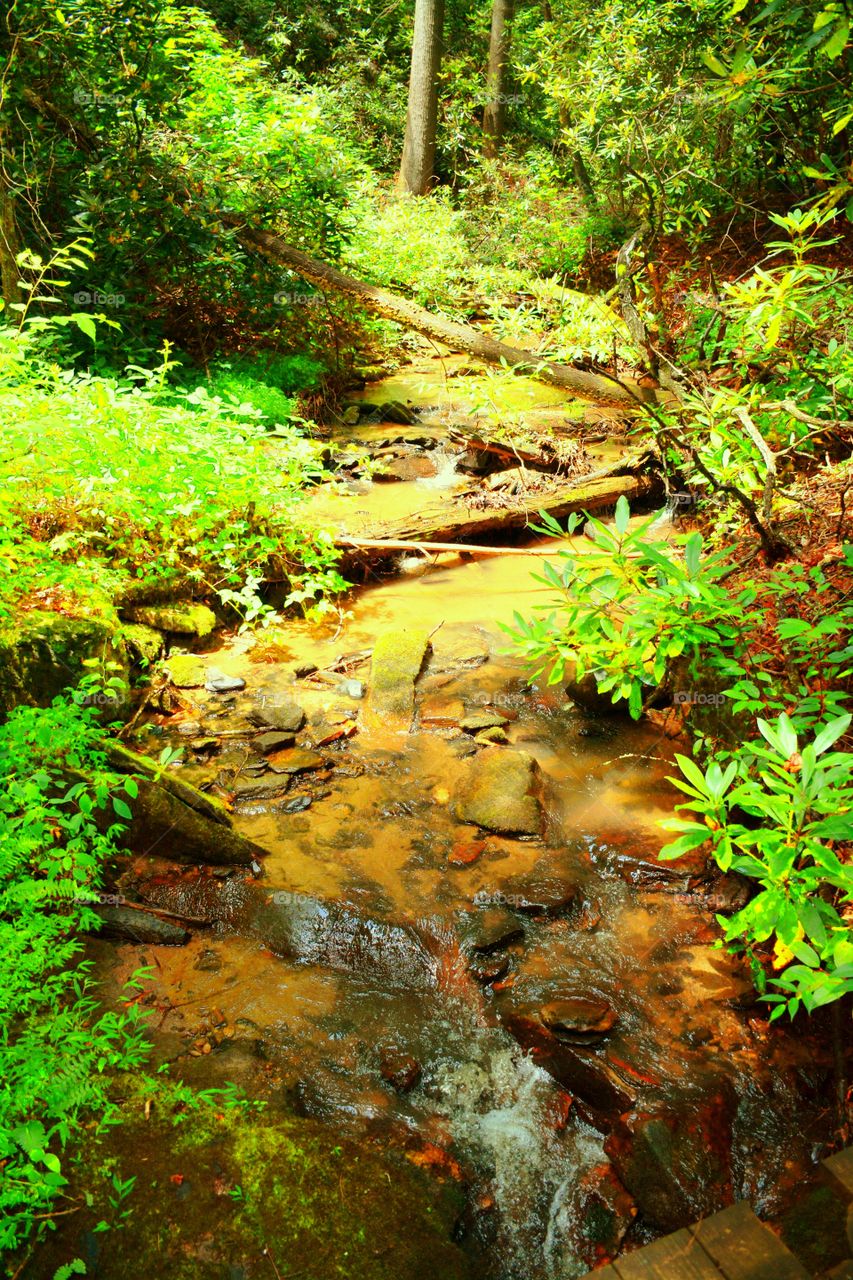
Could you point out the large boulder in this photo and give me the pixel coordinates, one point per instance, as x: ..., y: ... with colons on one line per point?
x: 182, y: 617
x: 44, y: 654
x: 499, y: 791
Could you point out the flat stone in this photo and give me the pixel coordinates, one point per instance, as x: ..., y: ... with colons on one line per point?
x: 182, y: 617
x: 273, y: 741
x: 442, y: 712
x: 295, y: 760
x: 395, y: 666
x: 488, y: 969
x: 548, y: 896
x: 185, y: 670
x: 492, y: 930
x: 266, y: 788
x: 276, y: 711
x: 482, y: 720
x: 496, y: 736
x: 578, y: 1020
x: 218, y: 682
x: 497, y: 792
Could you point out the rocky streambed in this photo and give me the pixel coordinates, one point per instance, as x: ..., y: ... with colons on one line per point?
x: 453, y: 951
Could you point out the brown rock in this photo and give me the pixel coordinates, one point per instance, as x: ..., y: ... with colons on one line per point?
x: 400, y: 1070
x: 578, y: 1020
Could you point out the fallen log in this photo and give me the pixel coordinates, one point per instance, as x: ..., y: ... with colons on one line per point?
x: 456, y: 336
x: 457, y: 522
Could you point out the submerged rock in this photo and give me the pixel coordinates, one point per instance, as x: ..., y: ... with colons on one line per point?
x: 398, y: 657
x: 296, y: 760
x: 482, y: 720
x: 546, y: 896
x: 578, y: 1020
x: 492, y: 930
x: 258, y: 789
x: 398, y: 1069
x: 273, y: 741
x: 498, y: 792
x: 182, y: 617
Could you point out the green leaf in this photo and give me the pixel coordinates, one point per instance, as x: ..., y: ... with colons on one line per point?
x: 86, y: 325
x: 712, y: 62
x: 622, y: 516
x: 831, y: 732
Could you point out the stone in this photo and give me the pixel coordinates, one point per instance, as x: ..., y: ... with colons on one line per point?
x: 492, y: 930
x: 273, y: 741
x: 298, y: 804
x: 45, y: 653
x: 397, y: 412
x: 275, y: 711
x: 584, y: 1074
x: 350, y: 415
x: 218, y: 682
x: 303, y: 669
x: 351, y: 688
x: 145, y: 644
x: 677, y: 1163
x: 488, y: 969
x: 482, y: 720
x: 209, y: 961
x: 442, y: 712
x: 400, y: 1070
x: 410, y: 467
x: 464, y: 852
x: 496, y: 736
x: 185, y: 670
x: 497, y: 792
x: 267, y: 788
x: 181, y: 616
x: 578, y: 1019
x: 398, y: 657
x: 547, y: 896
x: 295, y: 760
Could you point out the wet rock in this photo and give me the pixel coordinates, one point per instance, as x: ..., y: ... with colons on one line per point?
x: 181, y: 617
x: 457, y: 649
x: 266, y: 788
x: 209, y: 961
x: 400, y: 1070
x: 496, y: 736
x: 487, y: 969
x: 545, y: 896
x: 276, y: 711
x: 411, y: 467
x: 605, y: 1209
x: 442, y: 712
x: 397, y: 412
x: 298, y: 804
x: 464, y: 852
x: 482, y: 720
x: 677, y: 1163
x: 492, y: 930
x: 351, y: 688
x: 498, y: 792
x: 398, y: 657
x: 218, y: 682
x: 130, y: 924
x: 144, y: 643
x: 296, y: 760
x: 273, y: 741
x: 584, y: 1074
x: 578, y: 1020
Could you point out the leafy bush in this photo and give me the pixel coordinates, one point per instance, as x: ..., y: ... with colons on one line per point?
x: 55, y: 1046
x: 781, y: 813
x: 631, y: 611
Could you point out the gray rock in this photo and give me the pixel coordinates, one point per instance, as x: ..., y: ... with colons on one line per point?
x: 218, y: 682
x: 267, y: 788
x: 275, y: 711
x: 273, y: 741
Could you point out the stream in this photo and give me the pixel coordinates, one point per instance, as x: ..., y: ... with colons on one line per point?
x: 540, y: 1016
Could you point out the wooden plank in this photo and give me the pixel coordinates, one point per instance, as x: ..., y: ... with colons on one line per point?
x: 839, y: 1171
x: 675, y: 1257
x: 743, y: 1248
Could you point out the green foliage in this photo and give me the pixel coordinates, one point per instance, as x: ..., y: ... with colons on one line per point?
x: 779, y: 813
x: 58, y: 832
x: 631, y: 611
x: 186, y: 487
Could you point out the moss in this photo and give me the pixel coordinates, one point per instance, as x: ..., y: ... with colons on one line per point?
x: 227, y: 1191
x: 397, y: 660
x: 181, y: 617
x: 498, y: 792
x: 145, y: 643
x: 814, y: 1230
x: 45, y: 653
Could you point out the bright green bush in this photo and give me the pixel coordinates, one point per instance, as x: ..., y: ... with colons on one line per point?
x: 56, y: 1047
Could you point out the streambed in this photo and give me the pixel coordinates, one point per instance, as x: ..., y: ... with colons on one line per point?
x: 541, y: 1017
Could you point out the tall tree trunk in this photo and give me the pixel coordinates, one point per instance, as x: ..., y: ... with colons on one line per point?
x: 496, y: 76
x: 416, y: 168
x: 459, y: 337
x: 9, y: 244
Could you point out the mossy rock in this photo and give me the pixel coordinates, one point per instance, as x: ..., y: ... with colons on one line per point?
x: 398, y: 657
x: 499, y: 791
x: 225, y: 1194
x: 144, y: 643
x: 182, y: 617
x: 46, y: 653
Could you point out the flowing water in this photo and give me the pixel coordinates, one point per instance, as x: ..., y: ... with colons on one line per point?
x: 341, y: 979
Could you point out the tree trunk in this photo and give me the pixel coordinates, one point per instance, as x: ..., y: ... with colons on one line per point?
x: 496, y: 76
x: 459, y: 337
x: 416, y: 168
x: 9, y: 245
